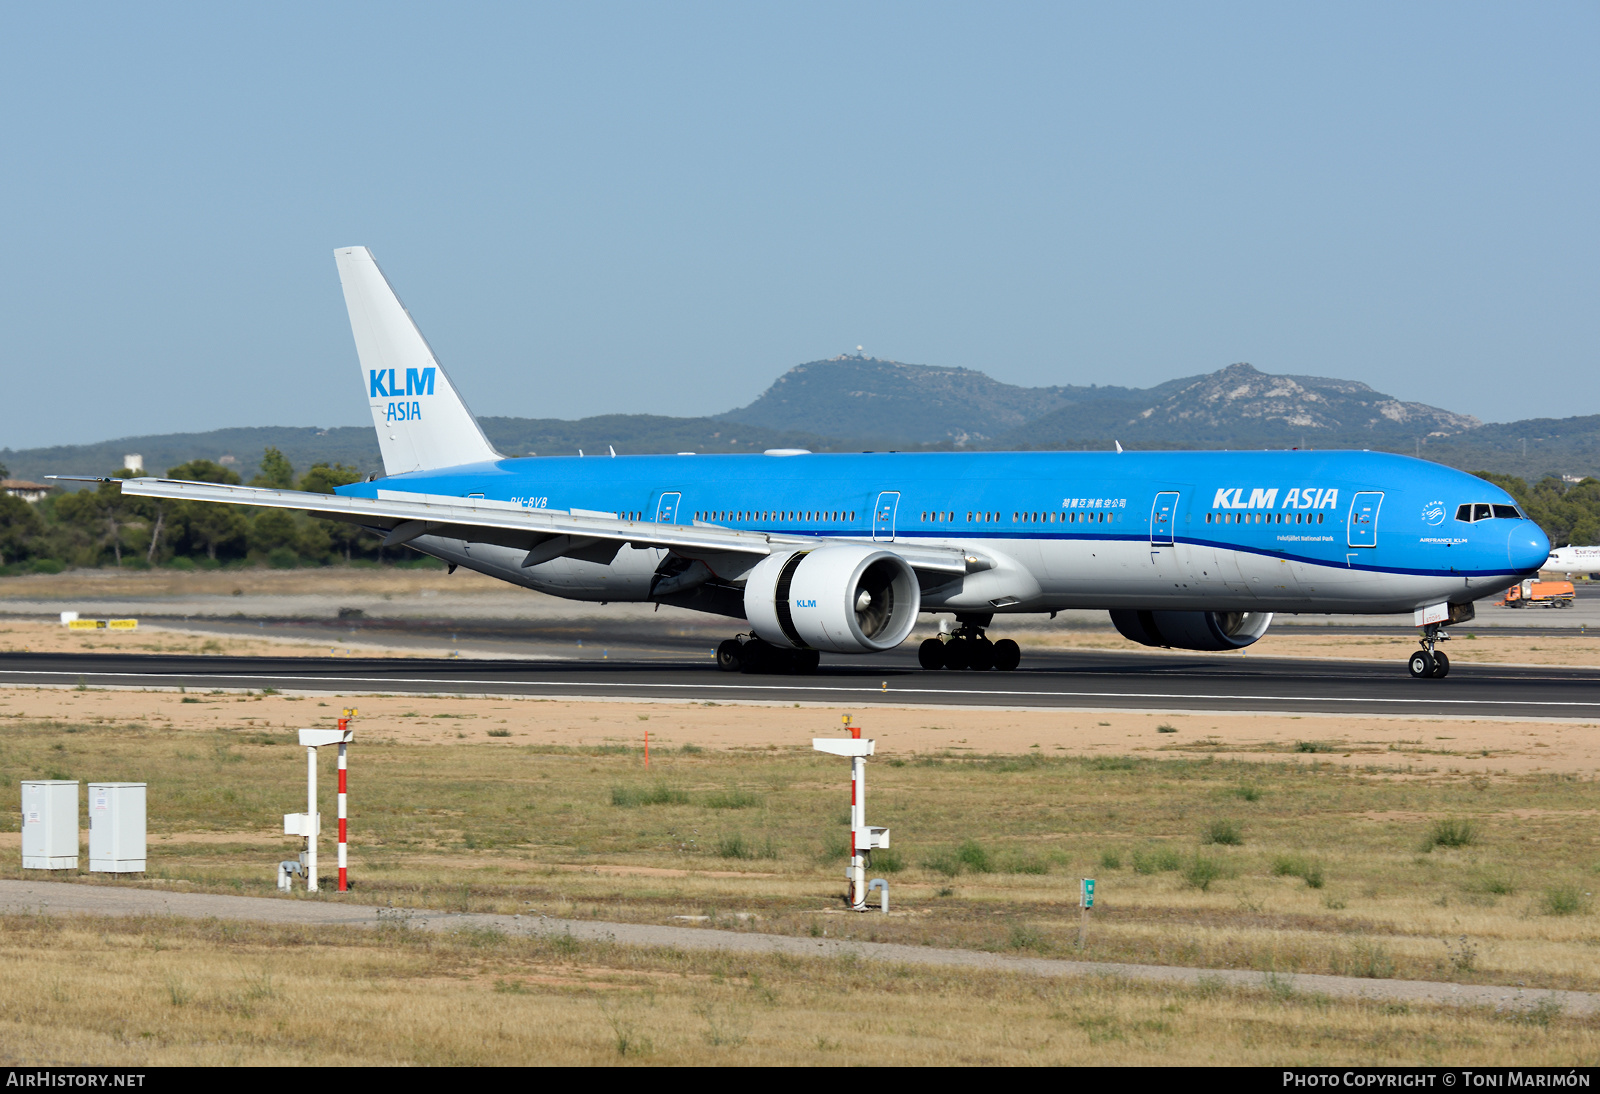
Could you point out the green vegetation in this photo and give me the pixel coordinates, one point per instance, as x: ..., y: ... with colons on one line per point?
x: 99, y: 526
x: 1450, y: 832
x: 1156, y: 860
x: 1568, y: 513
x: 1298, y: 866
x: 630, y: 797
x: 1225, y: 832
x: 1203, y: 870
x: 1564, y: 900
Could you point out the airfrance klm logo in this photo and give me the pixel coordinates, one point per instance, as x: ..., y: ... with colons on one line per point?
x: 1298, y: 497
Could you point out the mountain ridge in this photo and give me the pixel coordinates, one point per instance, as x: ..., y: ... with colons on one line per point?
x: 855, y: 402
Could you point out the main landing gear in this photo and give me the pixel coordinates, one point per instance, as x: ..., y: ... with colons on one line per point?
x: 747, y: 653
x: 1429, y: 662
x: 969, y: 648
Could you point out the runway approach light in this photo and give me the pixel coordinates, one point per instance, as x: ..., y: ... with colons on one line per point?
x: 863, y: 837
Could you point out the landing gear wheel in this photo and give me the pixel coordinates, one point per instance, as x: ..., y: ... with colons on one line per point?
x: 1441, y: 665
x: 1007, y: 655
x: 957, y: 653
x: 807, y: 661
x: 1421, y: 664
x: 982, y: 655
x: 930, y: 655
x: 758, y: 657
x: 730, y: 656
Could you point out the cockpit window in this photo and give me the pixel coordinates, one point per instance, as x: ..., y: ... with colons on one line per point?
x: 1480, y: 510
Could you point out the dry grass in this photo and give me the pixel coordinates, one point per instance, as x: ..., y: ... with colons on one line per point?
x: 131, y: 993
x: 989, y: 847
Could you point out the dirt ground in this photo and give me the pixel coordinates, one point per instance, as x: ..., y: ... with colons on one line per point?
x: 1451, y: 744
x: 332, y: 580
x: 26, y: 636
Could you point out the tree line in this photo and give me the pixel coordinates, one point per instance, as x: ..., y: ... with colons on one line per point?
x: 1569, y: 513
x: 103, y: 527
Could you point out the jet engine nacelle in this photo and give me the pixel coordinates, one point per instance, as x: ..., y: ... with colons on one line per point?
x: 847, y: 598
x: 1193, y: 630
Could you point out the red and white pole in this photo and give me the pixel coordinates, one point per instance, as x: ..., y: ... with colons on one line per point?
x: 858, y: 821
x: 344, y: 880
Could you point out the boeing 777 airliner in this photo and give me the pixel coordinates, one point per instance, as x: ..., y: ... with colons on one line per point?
x: 842, y: 552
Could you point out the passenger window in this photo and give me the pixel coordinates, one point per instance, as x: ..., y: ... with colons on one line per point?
x: 1507, y: 511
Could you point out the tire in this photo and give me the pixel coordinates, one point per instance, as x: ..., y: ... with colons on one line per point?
x: 1441, y: 666
x: 957, y: 653
x: 758, y: 657
x: 807, y: 661
x: 930, y: 655
x: 730, y: 656
x: 1421, y: 664
x: 1007, y: 655
x: 982, y: 656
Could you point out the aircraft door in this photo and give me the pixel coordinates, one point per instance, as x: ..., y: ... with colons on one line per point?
x: 1162, y: 513
x: 1364, y: 518
x: 667, y: 508
x: 883, y: 516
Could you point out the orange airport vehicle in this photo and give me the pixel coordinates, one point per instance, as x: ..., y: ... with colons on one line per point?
x: 1546, y: 594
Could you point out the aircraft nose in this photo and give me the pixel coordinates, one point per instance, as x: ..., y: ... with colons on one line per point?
x: 1527, y: 547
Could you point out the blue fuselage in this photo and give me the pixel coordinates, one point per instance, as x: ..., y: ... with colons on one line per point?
x: 1237, y: 531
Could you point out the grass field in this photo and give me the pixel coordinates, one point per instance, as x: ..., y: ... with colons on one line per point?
x: 130, y: 993
x: 1387, y: 864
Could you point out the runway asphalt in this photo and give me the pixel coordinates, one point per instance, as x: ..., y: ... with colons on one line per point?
x: 1064, y: 680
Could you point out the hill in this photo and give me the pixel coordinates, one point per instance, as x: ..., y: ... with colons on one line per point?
x: 856, y: 403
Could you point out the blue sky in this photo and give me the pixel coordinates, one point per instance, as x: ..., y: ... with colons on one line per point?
x: 659, y: 208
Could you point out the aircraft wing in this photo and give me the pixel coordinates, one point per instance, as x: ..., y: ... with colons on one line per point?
x: 544, y: 533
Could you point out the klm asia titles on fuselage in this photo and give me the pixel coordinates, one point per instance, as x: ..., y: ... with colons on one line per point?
x: 841, y: 553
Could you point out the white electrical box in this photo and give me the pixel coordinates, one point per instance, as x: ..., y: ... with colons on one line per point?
x: 116, y: 828
x: 302, y: 824
x: 50, y: 824
x: 872, y: 837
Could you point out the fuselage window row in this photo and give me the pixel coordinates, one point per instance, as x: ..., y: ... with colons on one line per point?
x: 1264, y: 518
x: 735, y: 516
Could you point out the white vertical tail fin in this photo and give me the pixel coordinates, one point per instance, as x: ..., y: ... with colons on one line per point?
x: 422, y: 421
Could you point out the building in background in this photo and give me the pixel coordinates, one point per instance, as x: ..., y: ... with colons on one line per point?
x: 27, y: 491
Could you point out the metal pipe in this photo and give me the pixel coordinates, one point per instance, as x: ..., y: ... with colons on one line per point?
x: 311, y: 815
x: 858, y: 821
x: 344, y: 882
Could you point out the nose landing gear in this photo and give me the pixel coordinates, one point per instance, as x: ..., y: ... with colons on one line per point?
x: 969, y: 648
x: 1430, y: 662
